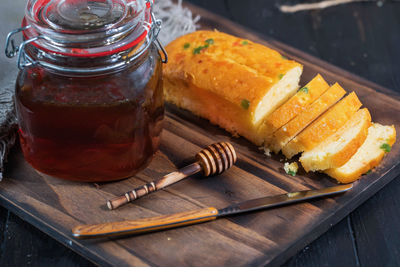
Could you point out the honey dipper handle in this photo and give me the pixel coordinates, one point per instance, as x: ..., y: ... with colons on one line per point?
x: 148, y: 188
x: 146, y: 224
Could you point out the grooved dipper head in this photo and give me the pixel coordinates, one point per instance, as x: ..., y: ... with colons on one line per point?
x: 216, y: 158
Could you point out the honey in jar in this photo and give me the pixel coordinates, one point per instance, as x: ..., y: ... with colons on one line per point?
x: 89, y: 96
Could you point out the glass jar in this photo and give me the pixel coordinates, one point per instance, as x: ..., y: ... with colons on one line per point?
x: 89, y: 97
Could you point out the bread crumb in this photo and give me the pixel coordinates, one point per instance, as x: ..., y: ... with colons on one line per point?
x: 267, y: 152
x: 291, y: 168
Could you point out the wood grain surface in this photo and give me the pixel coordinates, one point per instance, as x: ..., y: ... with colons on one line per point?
x: 266, y: 237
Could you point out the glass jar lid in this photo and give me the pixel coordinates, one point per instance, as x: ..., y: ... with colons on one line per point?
x: 87, y: 28
x: 123, y: 29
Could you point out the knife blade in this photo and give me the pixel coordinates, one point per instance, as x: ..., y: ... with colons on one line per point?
x: 280, y: 200
x: 201, y: 215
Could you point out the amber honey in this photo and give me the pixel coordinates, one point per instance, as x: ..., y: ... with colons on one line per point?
x: 99, y: 128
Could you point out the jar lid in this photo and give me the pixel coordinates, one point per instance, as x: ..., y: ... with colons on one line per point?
x: 87, y: 28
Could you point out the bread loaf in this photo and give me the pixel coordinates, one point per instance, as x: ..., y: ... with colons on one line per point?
x: 250, y: 90
x: 230, y: 81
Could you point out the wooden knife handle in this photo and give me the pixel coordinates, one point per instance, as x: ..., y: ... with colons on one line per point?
x: 145, y: 224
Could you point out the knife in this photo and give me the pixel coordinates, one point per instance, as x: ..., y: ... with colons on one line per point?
x: 200, y: 215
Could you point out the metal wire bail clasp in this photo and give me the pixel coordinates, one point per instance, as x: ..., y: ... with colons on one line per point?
x: 160, y: 46
x: 23, y: 59
x: 156, y: 30
x: 11, y: 50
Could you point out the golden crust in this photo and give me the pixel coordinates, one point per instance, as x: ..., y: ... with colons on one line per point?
x: 324, y: 126
x: 232, y: 68
x: 320, y: 159
x: 343, y: 176
x: 287, y: 132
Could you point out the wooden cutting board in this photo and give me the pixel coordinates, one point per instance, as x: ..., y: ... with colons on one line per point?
x: 259, y: 238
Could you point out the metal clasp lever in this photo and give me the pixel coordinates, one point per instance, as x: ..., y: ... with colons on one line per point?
x: 156, y: 29
x: 10, y: 43
x: 160, y: 46
x: 12, y: 50
x: 24, y: 60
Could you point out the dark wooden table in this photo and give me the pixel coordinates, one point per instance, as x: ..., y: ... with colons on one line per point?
x: 363, y: 38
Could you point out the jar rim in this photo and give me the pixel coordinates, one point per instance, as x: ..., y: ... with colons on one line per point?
x: 121, y: 52
x: 124, y: 34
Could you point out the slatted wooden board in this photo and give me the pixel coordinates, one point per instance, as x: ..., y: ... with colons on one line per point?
x: 259, y: 238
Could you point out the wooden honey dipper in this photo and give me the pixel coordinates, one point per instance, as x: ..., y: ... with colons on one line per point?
x: 213, y: 159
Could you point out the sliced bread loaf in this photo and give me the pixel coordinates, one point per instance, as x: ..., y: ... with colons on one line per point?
x: 295, y: 105
x: 378, y: 142
x: 326, y: 125
x: 287, y: 132
x: 230, y: 81
x: 338, y: 148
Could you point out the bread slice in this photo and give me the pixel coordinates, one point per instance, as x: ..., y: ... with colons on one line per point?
x: 230, y: 81
x: 295, y: 105
x: 287, y: 132
x: 379, y: 140
x: 326, y: 125
x: 338, y: 148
